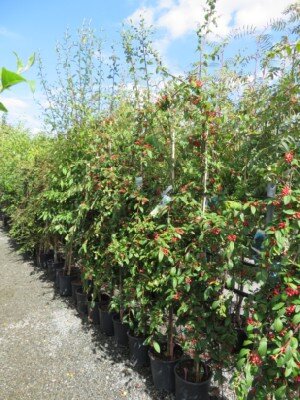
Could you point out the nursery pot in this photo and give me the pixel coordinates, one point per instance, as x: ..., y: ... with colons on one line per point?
x: 52, y: 267
x: 93, y: 312
x: 104, y: 300
x: 189, y: 390
x: 120, y: 330
x: 58, y: 272
x: 162, y: 369
x: 44, y: 258
x: 81, y: 301
x: 106, y: 322
x: 241, y: 337
x: 65, y: 288
x: 138, y: 351
x: 75, y: 285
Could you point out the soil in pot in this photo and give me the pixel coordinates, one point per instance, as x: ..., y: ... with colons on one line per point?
x: 162, y: 367
x: 120, y: 330
x: 82, y: 301
x: 106, y: 322
x: 186, y: 387
x: 93, y: 311
x: 75, y: 285
x: 138, y: 351
x: 65, y: 288
x: 104, y: 300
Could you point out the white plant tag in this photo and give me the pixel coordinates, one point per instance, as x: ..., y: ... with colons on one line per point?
x: 165, y: 200
x: 138, y: 181
x: 271, y: 189
x: 167, y: 190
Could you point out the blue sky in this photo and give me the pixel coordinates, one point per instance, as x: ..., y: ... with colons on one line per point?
x: 35, y: 25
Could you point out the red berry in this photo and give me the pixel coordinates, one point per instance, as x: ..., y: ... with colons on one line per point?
x: 291, y: 292
x: 289, y: 157
x: 176, y: 296
x: 255, y: 359
x: 216, y: 231
x: 286, y: 191
x: 281, y: 225
x: 198, y: 83
x: 231, y: 238
x: 290, y: 309
x: 165, y: 251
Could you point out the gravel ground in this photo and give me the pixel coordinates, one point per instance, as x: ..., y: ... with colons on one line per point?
x: 47, y: 352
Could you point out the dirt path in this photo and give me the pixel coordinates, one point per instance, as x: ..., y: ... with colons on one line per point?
x: 47, y: 352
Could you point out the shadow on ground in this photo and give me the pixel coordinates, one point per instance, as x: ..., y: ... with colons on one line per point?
x: 107, y: 345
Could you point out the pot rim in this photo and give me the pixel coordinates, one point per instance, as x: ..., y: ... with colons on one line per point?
x: 151, y: 353
x: 137, y: 337
x: 189, y: 382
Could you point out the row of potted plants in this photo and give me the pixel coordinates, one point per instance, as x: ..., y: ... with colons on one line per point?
x: 161, y: 200
x: 169, y: 366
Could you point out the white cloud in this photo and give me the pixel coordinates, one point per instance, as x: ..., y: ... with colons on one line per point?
x: 22, y: 109
x: 181, y: 17
x: 15, y: 104
x: 147, y: 13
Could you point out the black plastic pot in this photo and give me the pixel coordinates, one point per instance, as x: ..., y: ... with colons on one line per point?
x: 58, y: 272
x: 120, y: 330
x: 104, y: 300
x: 138, y: 351
x: 65, y: 288
x: 93, y: 312
x: 82, y: 301
x: 163, y: 370
x: 44, y: 258
x: 187, y: 390
x: 241, y: 337
x: 106, y: 322
x: 52, y: 267
x: 75, y: 285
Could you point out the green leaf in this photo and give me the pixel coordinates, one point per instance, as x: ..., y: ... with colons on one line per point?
x: 10, y: 78
x: 2, y: 107
x: 296, y: 319
x: 294, y: 343
x: 286, y: 199
x: 31, y: 61
x: 160, y: 255
x: 280, y: 393
x: 278, y: 306
x: 262, y: 348
x: 31, y: 85
x: 289, y: 212
x: 173, y: 271
x: 215, y: 305
x: 20, y: 64
x: 278, y: 325
x: 288, y: 372
x: 243, y: 352
x: 174, y: 283
x: 156, y: 347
